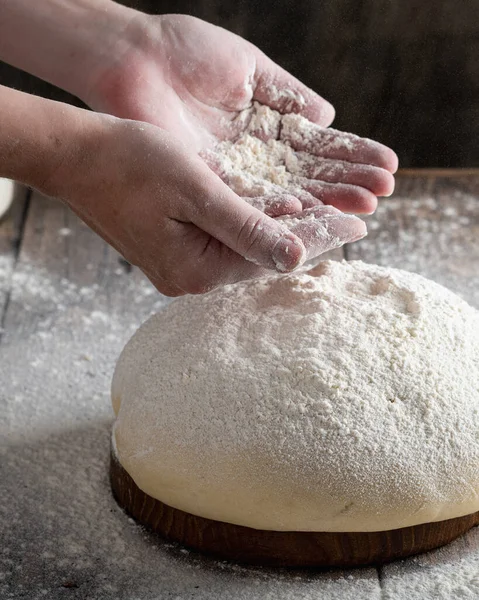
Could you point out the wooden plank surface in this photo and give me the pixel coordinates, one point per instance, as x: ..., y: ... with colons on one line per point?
x: 72, y: 305
x: 61, y: 257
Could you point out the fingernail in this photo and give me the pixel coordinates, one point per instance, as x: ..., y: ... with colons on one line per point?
x: 288, y: 254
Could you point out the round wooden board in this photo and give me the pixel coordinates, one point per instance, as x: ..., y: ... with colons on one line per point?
x: 280, y: 548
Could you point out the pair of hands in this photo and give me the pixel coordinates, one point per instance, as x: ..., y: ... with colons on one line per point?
x: 180, y: 85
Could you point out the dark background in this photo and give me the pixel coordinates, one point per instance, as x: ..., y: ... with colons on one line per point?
x: 405, y: 72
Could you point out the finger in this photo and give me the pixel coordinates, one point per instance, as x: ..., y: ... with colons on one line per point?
x: 276, y: 205
x: 306, y: 198
x: 324, y: 228
x: 250, y: 186
x: 334, y: 144
x: 359, y: 184
x: 165, y: 287
x: 278, y: 89
x: 345, y: 197
x: 202, y: 262
x: 378, y: 181
x: 209, y: 263
x: 217, y: 210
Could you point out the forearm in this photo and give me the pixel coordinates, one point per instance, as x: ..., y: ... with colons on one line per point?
x: 37, y: 136
x: 64, y: 42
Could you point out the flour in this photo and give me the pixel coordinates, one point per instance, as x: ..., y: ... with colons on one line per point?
x: 280, y: 152
x: 256, y: 163
x: 291, y: 100
x: 262, y: 167
x: 437, y: 238
x: 440, y: 575
x: 59, y: 524
x: 343, y: 399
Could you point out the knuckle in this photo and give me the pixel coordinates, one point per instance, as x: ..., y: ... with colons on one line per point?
x: 251, y: 232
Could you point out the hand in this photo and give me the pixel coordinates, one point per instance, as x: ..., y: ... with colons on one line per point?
x: 198, y: 82
x: 167, y: 212
x: 144, y: 187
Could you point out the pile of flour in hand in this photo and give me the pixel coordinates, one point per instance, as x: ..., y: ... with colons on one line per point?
x: 285, y: 165
x: 264, y: 160
x: 341, y: 399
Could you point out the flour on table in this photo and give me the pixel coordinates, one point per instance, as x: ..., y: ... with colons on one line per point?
x: 340, y: 399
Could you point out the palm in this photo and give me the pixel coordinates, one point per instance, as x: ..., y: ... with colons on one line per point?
x: 211, y: 87
x: 198, y: 81
x: 193, y: 79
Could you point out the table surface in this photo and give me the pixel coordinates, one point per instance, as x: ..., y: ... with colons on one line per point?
x: 68, y: 303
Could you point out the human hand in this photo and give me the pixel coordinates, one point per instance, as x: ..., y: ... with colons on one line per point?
x: 144, y: 188
x: 198, y: 82
x: 164, y: 210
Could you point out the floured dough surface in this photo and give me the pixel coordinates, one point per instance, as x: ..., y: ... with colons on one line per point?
x: 342, y: 399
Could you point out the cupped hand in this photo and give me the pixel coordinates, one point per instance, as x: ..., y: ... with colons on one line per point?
x: 161, y: 207
x: 198, y: 82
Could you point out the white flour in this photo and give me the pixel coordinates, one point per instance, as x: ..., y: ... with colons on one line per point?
x: 263, y: 160
x: 343, y: 401
x: 438, y: 239
x: 262, y: 167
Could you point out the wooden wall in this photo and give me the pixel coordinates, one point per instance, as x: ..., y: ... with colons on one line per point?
x: 405, y: 72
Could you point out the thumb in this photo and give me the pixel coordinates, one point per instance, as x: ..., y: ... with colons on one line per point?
x: 242, y: 227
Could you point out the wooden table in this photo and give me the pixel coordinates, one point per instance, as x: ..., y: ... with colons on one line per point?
x: 68, y: 303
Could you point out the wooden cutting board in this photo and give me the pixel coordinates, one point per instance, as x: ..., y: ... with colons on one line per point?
x: 280, y: 548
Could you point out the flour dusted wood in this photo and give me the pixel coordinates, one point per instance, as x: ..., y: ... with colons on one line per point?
x: 343, y: 399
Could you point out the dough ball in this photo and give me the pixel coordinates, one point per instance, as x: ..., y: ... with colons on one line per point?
x: 345, y: 398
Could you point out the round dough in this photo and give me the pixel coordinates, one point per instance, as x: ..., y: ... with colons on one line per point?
x: 341, y: 399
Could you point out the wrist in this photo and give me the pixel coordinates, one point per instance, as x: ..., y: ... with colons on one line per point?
x: 70, y: 41
x: 125, y: 62
x: 74, y: 164
x: 45, y: 144
x: 112, y: 33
